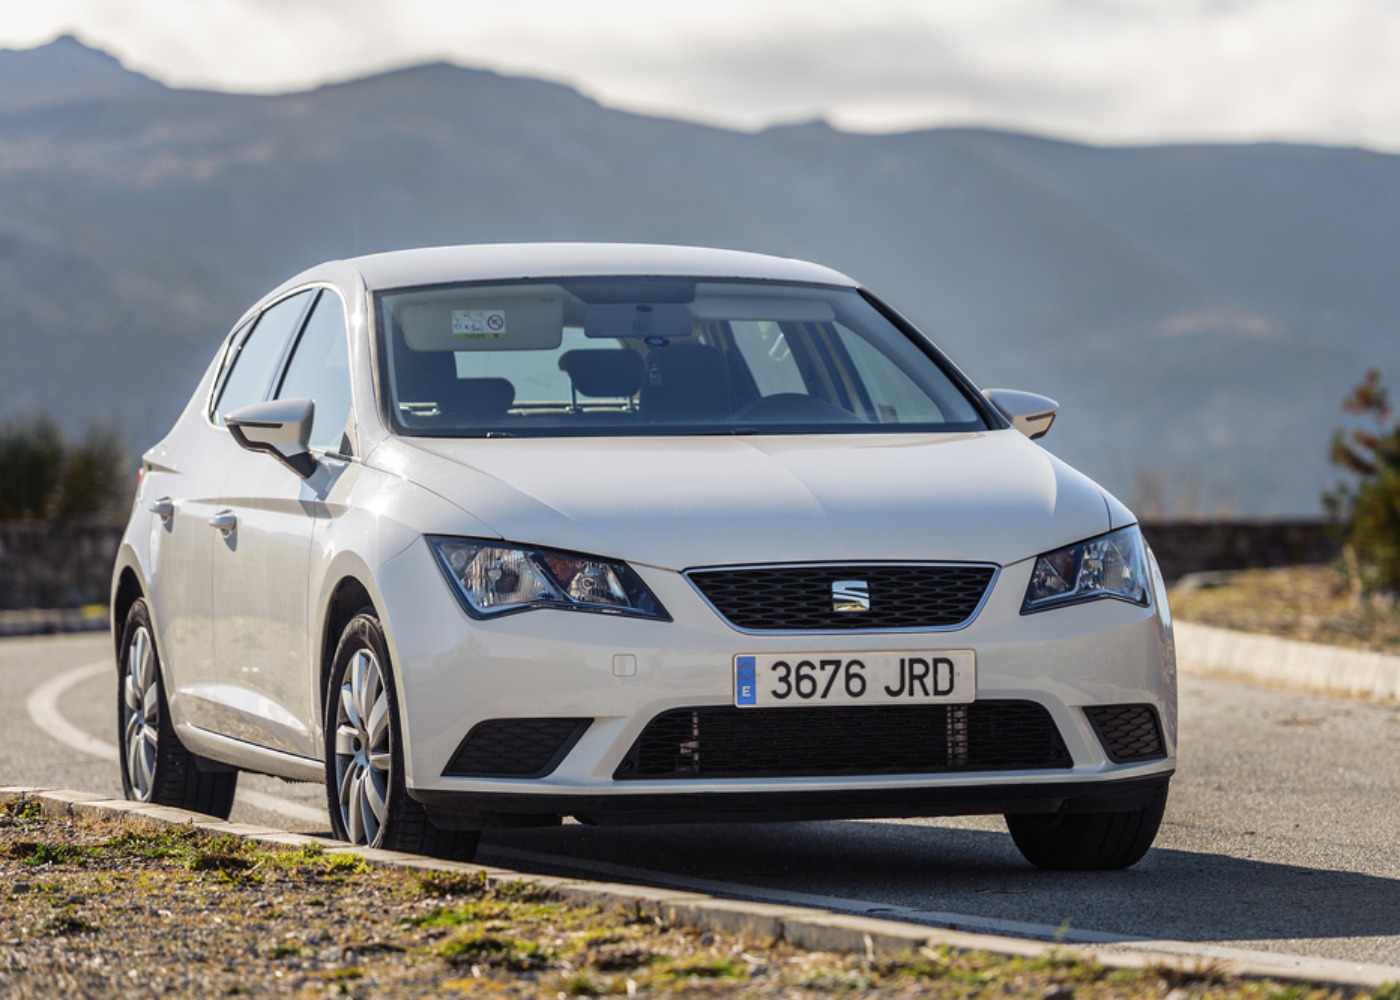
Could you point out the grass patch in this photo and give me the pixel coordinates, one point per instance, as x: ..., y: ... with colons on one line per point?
x: 23, y: 810
x: 1204, y: 972
x: 442, y: 885
x: 477, y: 946
x: 286, y: 950
x: 65, y: 924
x: 34, y: 853
x: 838, y: 981
x: 230, y: 858
x: 488, y: 910
x: 700, y: 968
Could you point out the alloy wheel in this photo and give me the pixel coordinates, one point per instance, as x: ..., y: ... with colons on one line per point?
x: 363, y: 755
x: 141, y: 714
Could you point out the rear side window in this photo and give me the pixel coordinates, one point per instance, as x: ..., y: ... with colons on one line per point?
x: 255, y: 359
x: 320, y: 370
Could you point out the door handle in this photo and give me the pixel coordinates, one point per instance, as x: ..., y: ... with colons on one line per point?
x: 225, y: 521
x: 162, y: 508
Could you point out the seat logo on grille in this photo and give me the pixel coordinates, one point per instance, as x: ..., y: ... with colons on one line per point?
x: 850, y: 595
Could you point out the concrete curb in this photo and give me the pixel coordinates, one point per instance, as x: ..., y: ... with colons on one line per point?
x: 51, y: 622
x: 1302, y: 666
x: 812, y: 929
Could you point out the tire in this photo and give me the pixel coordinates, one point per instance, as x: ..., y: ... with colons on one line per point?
x: 1089, y: 841
x: 365, y: 790
x: 156, y: 767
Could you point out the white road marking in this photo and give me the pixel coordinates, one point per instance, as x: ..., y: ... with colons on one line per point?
x: 43, y: 708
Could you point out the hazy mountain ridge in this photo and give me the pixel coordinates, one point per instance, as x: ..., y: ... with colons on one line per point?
x: 1198, y: 310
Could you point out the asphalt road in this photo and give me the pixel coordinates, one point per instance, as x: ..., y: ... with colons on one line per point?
x: 1282, y: 833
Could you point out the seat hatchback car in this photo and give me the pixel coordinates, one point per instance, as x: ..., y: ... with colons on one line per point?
x: 493, y: 535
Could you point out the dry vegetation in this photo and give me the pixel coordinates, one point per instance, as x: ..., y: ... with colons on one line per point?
x: 93, y: 907
x: 1311, y: 603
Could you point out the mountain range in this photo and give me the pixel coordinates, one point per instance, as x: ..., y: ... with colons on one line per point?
x: 1199, y: 311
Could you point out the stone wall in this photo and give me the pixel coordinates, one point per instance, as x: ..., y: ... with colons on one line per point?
x: 56, y: 565
x: 1185, y: 546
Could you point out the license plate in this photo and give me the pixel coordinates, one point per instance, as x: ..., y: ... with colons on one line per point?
x: 801, y: 679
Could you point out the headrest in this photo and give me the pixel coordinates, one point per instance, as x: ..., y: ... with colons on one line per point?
x: 484, y: 396
x: 603, y: 371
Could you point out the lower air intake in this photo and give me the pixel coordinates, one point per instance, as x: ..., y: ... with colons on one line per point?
x: 1129, y: 733
x: 515, y: 748
x: 727, y: 742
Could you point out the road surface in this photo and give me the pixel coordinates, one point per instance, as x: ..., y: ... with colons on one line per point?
x: 1282, y: 833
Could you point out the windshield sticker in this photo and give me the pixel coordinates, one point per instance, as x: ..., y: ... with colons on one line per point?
x: 478, y: 324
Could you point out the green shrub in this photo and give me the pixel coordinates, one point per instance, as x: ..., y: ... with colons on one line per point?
x: 45, y: 477
x: 1367, y: 504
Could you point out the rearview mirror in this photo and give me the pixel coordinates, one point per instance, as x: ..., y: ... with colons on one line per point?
x: 279, y: 427
x: 1029, y: 413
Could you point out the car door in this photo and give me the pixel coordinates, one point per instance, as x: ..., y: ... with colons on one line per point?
x: 264, y: 642
x: 184, y: 480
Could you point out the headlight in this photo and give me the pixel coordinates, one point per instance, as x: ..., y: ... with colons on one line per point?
x: 1112, y: 565
x: 491, y: 579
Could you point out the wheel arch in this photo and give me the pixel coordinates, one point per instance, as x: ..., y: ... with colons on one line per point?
x: 126, y: 591
x: 349, y: 597
x: 352, y: 584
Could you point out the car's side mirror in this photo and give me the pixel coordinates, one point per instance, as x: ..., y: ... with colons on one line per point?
x: 279, y: 427
x: 1029, y: 413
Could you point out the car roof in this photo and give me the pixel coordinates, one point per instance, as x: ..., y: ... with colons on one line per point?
x: 507, y: 261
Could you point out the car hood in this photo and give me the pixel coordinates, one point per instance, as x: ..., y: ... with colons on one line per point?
x: 706, y: 501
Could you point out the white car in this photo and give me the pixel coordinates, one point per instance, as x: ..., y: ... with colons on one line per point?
x: 489, y: 536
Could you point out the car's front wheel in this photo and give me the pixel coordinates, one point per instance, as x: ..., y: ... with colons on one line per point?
x: 1088, y: 841
x: 365, y: 790
x: 156, y: 767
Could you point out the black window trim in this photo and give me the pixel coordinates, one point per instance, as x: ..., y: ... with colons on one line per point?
x: 236, y: 345
x: 285, y: 363
x: 983, y: 406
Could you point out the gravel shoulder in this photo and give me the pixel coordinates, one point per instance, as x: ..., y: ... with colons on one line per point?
x: 1308, y: 603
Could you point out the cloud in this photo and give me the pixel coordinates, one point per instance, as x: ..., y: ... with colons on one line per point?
x: 1100, y: 70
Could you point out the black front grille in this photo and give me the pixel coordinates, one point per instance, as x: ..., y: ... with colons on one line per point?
x: 515, y: 748
x: 799, y: 598
x: 727, y: 742
x: 1129, y: 733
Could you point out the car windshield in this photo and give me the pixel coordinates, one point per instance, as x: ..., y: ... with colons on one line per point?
x: 657, y: 356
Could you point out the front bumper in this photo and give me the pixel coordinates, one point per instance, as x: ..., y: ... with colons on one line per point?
x: 482, y: 810
x: 618, y: 674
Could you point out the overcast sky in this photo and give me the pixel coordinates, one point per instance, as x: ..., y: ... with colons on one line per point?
x: 1324, y: 71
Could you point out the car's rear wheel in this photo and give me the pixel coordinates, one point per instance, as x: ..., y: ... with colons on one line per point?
x: 368, y: 800
x: 156, y: 767
x: 1088, y: 841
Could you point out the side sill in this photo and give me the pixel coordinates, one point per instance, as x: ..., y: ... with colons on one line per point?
x: 250, y: 757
